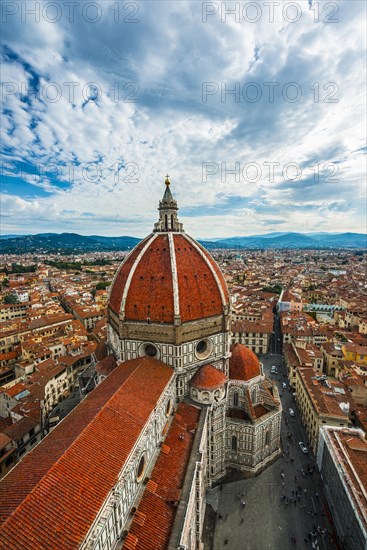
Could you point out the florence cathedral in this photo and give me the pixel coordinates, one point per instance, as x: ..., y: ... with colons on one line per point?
x: 176, y: 408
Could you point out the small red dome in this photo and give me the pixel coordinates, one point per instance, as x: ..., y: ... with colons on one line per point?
x: 208, y: 378
x: 243, y: 363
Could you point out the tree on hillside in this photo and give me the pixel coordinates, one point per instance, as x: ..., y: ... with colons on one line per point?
x: 11, y: 299
x: 102, y: 285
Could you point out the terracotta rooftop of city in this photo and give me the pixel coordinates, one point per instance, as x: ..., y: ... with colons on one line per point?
x: 326, y: 396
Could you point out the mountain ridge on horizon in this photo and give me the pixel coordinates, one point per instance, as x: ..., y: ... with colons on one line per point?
x: 73, y: 242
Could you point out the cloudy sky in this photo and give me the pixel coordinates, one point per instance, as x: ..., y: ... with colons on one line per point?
x: 255, y: 109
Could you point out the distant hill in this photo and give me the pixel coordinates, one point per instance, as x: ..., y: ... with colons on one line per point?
x: 293, y: 240
x: 72, y: 243
x: 66, y: 243
x: 10, y: 236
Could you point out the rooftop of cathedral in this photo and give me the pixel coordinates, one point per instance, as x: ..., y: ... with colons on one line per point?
x: 168, y: 276
x: 243, y: 363
x: 63, y: 480
x: 208, y: 378
x: 153, y: 521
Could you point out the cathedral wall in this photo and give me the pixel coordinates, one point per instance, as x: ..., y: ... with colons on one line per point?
x: 191, y: 530
x: 183, y: 357
x: 250, y: 446
x: 114, y: 515
x: 216, y: 442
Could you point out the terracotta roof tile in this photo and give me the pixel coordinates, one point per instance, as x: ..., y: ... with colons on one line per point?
x: 150, y: 293
x: 152, y: 486
x: 243, y: 363
x: 168, y: 474
x: 208, y: 378
x: 121, y: 277
x: 198, y: 290
x: 260, y: 410
x: 20, y: 428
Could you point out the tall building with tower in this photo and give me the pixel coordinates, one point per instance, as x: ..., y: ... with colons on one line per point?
x: 175, y: 409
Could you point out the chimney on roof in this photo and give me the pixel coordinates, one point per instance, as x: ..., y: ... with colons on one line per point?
x: 344, y: 407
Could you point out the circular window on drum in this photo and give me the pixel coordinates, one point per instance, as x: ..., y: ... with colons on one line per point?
x: 203, y: 349
x: 141, y: 468
x: 150, y: 350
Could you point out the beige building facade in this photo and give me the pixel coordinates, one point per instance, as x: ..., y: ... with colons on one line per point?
x: 320, y: 401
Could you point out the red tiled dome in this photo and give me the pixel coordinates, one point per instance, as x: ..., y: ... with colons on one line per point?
x: 168, y: 275
x: 208, y: 378
x: 243, y: 363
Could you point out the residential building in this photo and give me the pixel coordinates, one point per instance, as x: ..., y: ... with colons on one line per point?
x: 342, y: 461
x: 321, y: 401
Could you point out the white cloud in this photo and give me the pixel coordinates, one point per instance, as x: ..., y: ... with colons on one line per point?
x: 166, y: 57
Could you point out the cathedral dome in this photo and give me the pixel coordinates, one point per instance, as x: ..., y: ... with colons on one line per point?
x: 208, y: 378
x: 168, y: 277
x: 243, y: 363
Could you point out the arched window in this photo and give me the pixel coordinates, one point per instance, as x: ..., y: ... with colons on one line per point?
x: 141, y: 468
x: 234, y: 443
x: 267, y: 438
x: 235, y: 399
x: 205, y: 396
x: 171, y: 221
x: 254, y: 395
x: 166, y: 222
